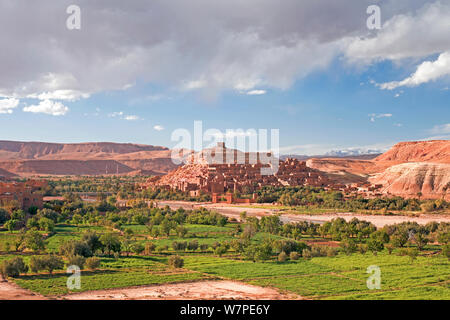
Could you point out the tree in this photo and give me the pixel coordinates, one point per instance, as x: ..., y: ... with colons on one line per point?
x: 176, y: 262
x: 375, y: 245
x: 348, y: 246
x: 446, y: 251
x: 400, y: 238
x: 137, y: 248
x: 4, y: 216
x: 181, y: 231
x: 420, y: 239
x: 149, y: 248
x: 34, y: 241
x: 78, y: 261
x: 92, y: 263
x: 412, y: 254
x: 110, y: 243
x: 75, y: 248
x: 46, y: 224
x: 220, y: 250
x: 92, y: 239
x: 52, y: 262
x: 12, y: 225
x: 13, y: 268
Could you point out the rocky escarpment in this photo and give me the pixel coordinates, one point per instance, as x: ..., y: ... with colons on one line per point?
x: 418, y: 151
x: 413, y: 179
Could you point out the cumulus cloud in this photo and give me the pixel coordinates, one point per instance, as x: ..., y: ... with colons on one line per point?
x: 53, y: 108
x: 426, y: 72
x: 158, y: 127
x: 131, y: 117
x: 400, y: 36
x: 374, y: 116
x: 256, y: 92
x: 201, y: 45
x: 7, y: 105
x: 123, y: 116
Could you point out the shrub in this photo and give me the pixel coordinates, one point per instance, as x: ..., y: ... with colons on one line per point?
x: 389, y: 247
x: 92, y: 263
x: 220, y: 250
x: 348, y: 246
x: 413, y: 253
x: 362, y: 248
x: 137, y: 248
x: 13, y: 268
x: 306, y: 253
x: 176, y: 262
x: 193, y: 245
x: 149, y: 248
x: 446, y: 251
x: 294, y: 255
x: 282, y: 257
x: 77, y: 261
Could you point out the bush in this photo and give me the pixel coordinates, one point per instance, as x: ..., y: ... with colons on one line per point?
x: 149, y: 248
x: 92, y: 263
x: 76, y: 261
x: 176, y: 262
x: 52, y: 262
x: 389, y: 248
x: 348, y: 246
x: 294, y: 255
x: 446, y: 251
x: 193, y: 245
x: 282, y: 257
x: 362, y: 248
x: 13, y: 268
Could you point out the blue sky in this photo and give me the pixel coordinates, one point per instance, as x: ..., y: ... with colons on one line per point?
x: 326, y: 96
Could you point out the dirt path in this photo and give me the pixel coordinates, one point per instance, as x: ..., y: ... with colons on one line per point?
x: 11, y: 291
x: 235, y: 210
x: 211, y: 290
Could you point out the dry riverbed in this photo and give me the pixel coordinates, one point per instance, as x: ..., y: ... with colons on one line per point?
x: 210, y: 290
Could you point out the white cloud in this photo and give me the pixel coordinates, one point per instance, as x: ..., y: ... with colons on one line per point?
x: 407, y: 35
x: 374, y: 116
x: 48, y: 107
x: 123, y: 116
x: 7, y: 105
x: 426, y: 72
x: 441, y: 129
x: 116, y: 114
x: 158, y: 127
x: 256, y: 92
x: 208, y: 46
x: 131, y: 118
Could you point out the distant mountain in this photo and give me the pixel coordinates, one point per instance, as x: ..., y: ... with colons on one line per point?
x: 91, y: 158
x: 330, y: 155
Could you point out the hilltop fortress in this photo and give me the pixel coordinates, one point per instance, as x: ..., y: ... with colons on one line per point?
x: 219, y: 170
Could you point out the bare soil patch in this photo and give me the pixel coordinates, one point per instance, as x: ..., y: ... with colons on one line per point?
x: 11, y: 291
x: 211, y: 290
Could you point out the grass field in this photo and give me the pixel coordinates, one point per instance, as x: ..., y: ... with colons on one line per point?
x: 339, y: 277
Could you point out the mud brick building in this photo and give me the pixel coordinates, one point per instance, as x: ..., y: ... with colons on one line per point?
x: 205, y: 174
x: 24, y: 194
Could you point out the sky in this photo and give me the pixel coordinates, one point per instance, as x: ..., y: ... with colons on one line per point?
x: 135, y: 71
